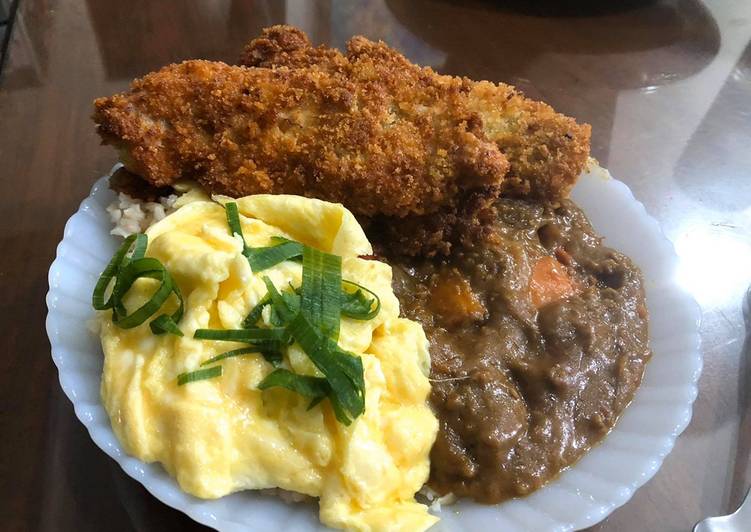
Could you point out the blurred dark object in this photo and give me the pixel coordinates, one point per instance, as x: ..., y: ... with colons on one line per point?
x: 566, y: 8
x: 3, y: 33
x: 7, y: 10
x: 4, y: 11
x: 26, y: 55
x: 654, y: 42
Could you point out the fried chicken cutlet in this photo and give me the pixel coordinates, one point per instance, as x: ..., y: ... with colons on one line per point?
x: 388, y: 139
x: 546, y: 150
x: 241, y: 131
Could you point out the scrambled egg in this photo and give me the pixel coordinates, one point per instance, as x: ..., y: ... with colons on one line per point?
x: 222, y: 435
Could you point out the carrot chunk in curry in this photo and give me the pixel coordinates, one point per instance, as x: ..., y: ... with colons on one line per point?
x: 549, y: 282
x: 453, y: 300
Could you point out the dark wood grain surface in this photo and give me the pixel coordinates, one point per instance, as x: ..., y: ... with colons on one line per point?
x: 666, y: 86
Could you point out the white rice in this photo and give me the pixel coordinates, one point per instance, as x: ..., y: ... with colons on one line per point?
x: 131, y: 215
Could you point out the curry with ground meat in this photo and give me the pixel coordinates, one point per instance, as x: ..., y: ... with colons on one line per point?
x: 538, y: 338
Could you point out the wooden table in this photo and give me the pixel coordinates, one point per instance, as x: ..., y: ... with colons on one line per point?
x: 665, y: 85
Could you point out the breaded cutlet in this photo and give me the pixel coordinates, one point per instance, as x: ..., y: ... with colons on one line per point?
x: 546, y: 150
x: 241, y: 131
x: 411, y: 152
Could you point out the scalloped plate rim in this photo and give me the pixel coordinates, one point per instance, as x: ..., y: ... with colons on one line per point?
x: 201, y: 512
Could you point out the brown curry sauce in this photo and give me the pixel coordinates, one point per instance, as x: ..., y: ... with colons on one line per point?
x: 538, y: 339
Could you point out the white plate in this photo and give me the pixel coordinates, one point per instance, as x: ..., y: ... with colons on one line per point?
x: 605, y: 478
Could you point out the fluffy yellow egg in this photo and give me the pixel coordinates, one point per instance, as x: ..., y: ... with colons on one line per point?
x: 222, y: 435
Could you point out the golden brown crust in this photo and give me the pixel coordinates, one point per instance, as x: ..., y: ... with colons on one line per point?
x: 368, y: 129
x: 469, y: 219
x: 287, y: 46
x: 546, y: 150
x: 355, y: 139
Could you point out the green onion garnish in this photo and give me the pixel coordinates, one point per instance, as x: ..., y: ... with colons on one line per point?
x: 248, y: 336
x: 136, y: 269
x: 307, y: 386
x: 292, y: 300
x: 321, y: 288
x: 284, y: 308
x: 357, y: 305
x: 255, y: 314
x: 310, y: 316
x: 277, y: 303
x: 262, y: 258
x: 119, y: 259
x: 343, y: 370
x: 273, y: 356
x: 233, y: 220
x: 229, y: 354
x: 167, y: 324
x: 125, y: 270
x: 199, y: 375
x: 315, y: 401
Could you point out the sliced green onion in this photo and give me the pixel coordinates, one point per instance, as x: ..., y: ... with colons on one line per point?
x: 168, y: 324
x: 349, y: 364
x: 292, y: 300
x: 230, y: 354
x: 262, y: 258
x: 279, y: 303
x: 248, y: 336
x: 273, y: 357
x: 343, y: 370
x: 314, y: 402
x: 357, y: 305
x: 199, y: 375
x: 340, y: 410
x: 270, y: 342
x: 255, y: 314
x: 275, y: 319
x: 129, y: 274
x: 309, y: 315
x: 284, y: 306
x: 233, y: 220
x: 125, y: 270
x: 138, y: 242
x: 321, y: 287
x: 139, y: 247
x: 165, y: 324
x: 307, y: 386
x: 281, y: 240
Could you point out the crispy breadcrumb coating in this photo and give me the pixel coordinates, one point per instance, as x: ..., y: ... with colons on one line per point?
x: 418, y: 156
x: 471, y: 219
x: 238, y: 131
x: 546, y: 150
